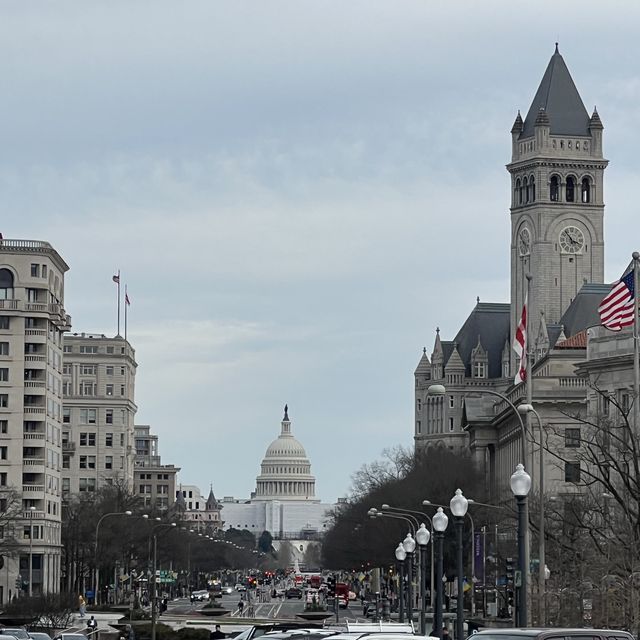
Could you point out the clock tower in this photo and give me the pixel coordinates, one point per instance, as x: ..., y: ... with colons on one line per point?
x: 557, y: 205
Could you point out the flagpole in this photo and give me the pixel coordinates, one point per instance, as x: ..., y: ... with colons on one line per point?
x: 118, y: 283
x: 125, y: 311
x: 636, y: 349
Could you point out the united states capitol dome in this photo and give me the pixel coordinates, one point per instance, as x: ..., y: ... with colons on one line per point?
x: 285, y: 472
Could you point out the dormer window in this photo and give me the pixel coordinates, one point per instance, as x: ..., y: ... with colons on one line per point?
x: 479, y: 369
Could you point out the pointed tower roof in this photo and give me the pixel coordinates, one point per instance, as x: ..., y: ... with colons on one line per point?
x: 437, y: 347
x: 478, y: 350
x: 212, y: 503
x: 455, y: 361
x: 518, y: 124
x: 558, y: 96
x: 180, y: 501
x: 595, y: 122
x: 424, y: 366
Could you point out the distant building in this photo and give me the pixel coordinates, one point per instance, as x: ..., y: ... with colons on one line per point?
x: 284, y: 502
x: 32, y: 323
x: 203, y: 514
x: 99, y: 412
x: 154, y: 482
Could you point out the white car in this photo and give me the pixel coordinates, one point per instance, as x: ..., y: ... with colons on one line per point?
x: 240, y: 588
x: 201, y: 595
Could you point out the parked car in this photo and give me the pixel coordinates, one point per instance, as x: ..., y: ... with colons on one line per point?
x: 293, y: 592
x: 551, y: 634
x: 16, y: 632
x: 38, y: 635
x: 71, y: 636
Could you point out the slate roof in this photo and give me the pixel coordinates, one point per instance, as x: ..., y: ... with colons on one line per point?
x: 558, y: 97
x: 490, y: 321
x: 583, y: 311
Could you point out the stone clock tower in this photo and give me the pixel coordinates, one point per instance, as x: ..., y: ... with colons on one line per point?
x: 557, y: 205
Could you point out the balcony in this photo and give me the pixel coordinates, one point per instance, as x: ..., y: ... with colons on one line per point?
x: 30, y: 357
x: 33, y: 488
x: 34, y: 384
x: 27, y: 515
x: 36, y: 332
x: 33, y: 435
x: 36, y: 307
x: 68, y: 447
x: 33, y: 462
x: 34, y: 410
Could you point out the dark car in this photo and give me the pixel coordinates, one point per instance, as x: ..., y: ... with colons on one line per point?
x: 293, y: 592
x: 558, y: 633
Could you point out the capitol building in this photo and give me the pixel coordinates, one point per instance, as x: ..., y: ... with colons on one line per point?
x: 284, y: 502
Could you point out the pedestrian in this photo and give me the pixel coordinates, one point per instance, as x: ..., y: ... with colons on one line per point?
x: 92, y: 624
x: 445, y: 633
x: 82, y: 605
x: 240, y: 607
x: 192, y: 598
x: 130, y: 633
x: 215, y: 635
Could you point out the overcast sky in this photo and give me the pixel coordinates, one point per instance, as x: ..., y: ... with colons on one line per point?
x: 296, y: 192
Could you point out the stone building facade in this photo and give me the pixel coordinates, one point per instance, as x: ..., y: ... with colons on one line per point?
x: 99, y: 412
x: 556, y: 217
x: 32, y: 323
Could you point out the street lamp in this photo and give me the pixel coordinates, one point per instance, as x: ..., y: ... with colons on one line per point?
x: 520, y: 486
x: 31, y: 510
x: 401, y: 555
x: 525, y: 409
x: 409, y: 545
x: 422, y: 538
x: 440, y: 522
x: 154, y: 605
x: 97, y: 572
x: 459, y: 505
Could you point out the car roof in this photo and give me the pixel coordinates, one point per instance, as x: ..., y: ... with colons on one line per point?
x: 544, y: 631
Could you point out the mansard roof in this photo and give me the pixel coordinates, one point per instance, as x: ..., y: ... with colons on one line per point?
x: 489, y: 323
x: 583, y: 310
x: 558, y: 97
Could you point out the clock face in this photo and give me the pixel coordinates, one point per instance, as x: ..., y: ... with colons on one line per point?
x: 524, y: 242
x: 571, y: 240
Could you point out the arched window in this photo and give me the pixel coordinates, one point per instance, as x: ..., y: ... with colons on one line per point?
x: 532, y: 189
x: 6, y: 284
x: 525, y: 186
x: 518, y: 195
x: 571, y: 190
x: 554, y: 189
x: 586, y: 190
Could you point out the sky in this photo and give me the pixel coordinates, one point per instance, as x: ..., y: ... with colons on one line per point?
x: 297, y: 193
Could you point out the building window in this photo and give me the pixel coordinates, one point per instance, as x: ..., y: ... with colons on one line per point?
x: 570, y: 189
x: 108, y: 462
x: 66, y: 485
x: 108, y: 440
x: 87, y: 416
x: 66, y: 461
x: 121, y: 389
x: 4, y: 348
x: 88, y: 370
x: 418, y: 426
x: 109, y: 349
x: 87, y: 484
x: 572, y: 472
x: 67, y: 348
x: 88, y: 348
x: 87, y: 439
x: 3, y: 479
x: 88, y: 389
x: 452, y: 402
x: 122, y: 439
x: 6, y: 284
x: 4, y: 374
x: 586, y: 190
x: 66, y: 415
x: 554, y: 189
x: 479, y: 370
x: 35, y: 270
x: 450, y: 424
x: 109, y: 390
x: 4, y: 426
x: 4, y: 322
x: 4, y: 400
x: 418, y: 405
x: 109, y: 371
x: 108, y: 416
x: 572, y: 437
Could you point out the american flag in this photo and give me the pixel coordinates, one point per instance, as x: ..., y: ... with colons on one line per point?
x: 520, y: 345
x: 126, y: 298
x: 116, y: 278
x: 616, y: 310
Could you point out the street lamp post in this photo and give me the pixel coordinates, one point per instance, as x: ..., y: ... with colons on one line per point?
x: 96, y: 580
x: 154, y: 605
x: 459, y: 507
x: 422, y: 538
x: 31, y: 510
x: 526, y: 409
x: 409, y: 545
x: 440, y: 522
x: 520, y: 486
x: 401, y: 555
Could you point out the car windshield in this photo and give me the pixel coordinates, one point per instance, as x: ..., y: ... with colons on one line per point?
x: 507, y: 636
x: 16, y: 633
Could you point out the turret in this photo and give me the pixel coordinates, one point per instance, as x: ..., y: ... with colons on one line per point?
x: 516, y: 130
x: 595, y: 128
x: 542, y: 128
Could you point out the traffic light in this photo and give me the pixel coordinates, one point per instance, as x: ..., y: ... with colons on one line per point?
x: 510, y: 572
x: 510, y: 597
x: 331, y: 586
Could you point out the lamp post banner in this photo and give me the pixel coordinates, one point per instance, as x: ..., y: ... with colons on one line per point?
x: 478, y: 558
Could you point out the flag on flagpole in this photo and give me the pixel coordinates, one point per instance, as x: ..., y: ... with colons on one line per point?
x: 126, y: 299
x: 616, y: 309
x: 520, y: 345
x: 116, y: 278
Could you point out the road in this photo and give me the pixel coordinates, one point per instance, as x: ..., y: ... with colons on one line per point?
x: 272, y: 608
